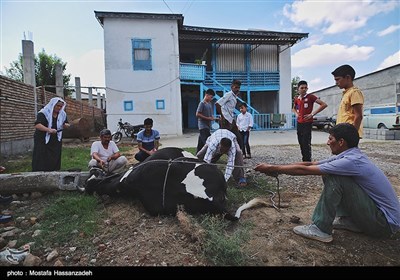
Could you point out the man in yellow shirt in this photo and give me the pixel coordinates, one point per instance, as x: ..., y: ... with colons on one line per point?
x: 351, y: 105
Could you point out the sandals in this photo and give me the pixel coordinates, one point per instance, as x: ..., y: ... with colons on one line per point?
x: 242, y: 182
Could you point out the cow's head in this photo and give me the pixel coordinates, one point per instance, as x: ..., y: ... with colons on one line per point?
x: 96, y: 181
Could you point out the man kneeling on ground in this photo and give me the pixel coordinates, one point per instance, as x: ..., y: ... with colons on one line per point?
x: 357, y: 196
x: 222, y: 141
x: 105, y: 154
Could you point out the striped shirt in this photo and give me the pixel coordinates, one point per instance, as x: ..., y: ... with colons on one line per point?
x: 213, y: 143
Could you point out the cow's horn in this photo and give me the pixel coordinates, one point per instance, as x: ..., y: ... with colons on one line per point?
x: 80, y: 189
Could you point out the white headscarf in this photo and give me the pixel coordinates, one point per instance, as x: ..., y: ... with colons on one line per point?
x: 48, y: 112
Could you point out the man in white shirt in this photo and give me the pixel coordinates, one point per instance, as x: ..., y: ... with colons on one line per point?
x: 222, y: 141
x: 225, y: 106
x: 105, y: 154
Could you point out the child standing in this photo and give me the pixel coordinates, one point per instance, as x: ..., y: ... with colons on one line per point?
x: 244, y: 123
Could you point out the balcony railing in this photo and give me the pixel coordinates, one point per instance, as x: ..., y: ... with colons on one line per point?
x: 197, y: 73
x: 192, y: 72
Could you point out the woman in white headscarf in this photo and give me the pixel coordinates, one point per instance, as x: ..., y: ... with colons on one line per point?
x: 50, y: 122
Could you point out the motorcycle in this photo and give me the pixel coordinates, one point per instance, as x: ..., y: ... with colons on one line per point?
x: 324, y: 123
x: 126, y: 128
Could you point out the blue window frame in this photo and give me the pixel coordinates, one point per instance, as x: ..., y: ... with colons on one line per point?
x: 141, y: 54
x: 160, y: 104
x: 128, y: 105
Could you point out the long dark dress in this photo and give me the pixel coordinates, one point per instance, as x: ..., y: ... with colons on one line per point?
x: 46, y: 157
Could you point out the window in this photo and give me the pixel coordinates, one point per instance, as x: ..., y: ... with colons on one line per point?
x: 128, y: 105
x: 160, y: 104
x: 141, y: 54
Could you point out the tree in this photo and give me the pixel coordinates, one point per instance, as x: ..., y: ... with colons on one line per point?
x: 295, y: 81
x: 45, y: 71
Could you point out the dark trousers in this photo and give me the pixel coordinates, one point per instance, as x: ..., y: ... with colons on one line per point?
x: 246, y: 145
x: 204, y: 134
x: 304, y: 138
x: 141, y: 156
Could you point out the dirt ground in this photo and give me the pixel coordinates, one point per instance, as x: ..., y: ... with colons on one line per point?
x: 130, y: 237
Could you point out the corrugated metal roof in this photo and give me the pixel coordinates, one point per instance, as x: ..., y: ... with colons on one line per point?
x: 207, y: 34
x: 218, y: 35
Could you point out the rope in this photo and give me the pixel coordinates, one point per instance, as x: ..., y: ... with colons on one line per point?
x: 273, y: 193
x: 214, y: 164
x: 165, y: 183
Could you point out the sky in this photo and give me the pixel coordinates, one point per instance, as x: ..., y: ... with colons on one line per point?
x: 364, y: 34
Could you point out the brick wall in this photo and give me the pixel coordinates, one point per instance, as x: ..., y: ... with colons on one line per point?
x: 17, y: 115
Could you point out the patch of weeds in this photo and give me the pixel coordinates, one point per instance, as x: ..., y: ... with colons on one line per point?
x: 20, y: 163
x: 257, y: 187
x: 223, y: 248
x: 70, y: 218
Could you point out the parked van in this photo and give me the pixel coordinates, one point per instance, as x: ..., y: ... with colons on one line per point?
x: 382, y: 116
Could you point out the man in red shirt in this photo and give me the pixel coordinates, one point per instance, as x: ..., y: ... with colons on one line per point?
x: 303, y: 108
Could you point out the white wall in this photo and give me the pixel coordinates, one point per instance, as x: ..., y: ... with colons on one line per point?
x: 143, y: 87
x: 285, y: 92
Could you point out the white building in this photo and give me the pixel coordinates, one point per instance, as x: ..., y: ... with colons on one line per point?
x: 159, y: 68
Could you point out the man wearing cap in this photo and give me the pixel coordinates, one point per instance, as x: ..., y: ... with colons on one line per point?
x: 204, y: 114
x: 105, y: 154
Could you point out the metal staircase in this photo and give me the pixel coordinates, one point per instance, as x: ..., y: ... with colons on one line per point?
x: 220, y: 87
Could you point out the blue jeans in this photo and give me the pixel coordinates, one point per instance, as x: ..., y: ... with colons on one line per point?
x: 246, y: 145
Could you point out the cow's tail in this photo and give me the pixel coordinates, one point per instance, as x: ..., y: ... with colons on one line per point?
x: 252, y: 203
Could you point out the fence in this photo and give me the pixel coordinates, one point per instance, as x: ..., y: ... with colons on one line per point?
x: 17, y: 115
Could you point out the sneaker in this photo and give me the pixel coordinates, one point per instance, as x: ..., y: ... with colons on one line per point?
x: 5, y: 200
x: 249, y: 156
x: 313, y: 232
x: 345, y: 223
x: 5, y: 219
x: 14, y: 256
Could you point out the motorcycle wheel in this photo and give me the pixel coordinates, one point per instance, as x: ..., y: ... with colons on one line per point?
x: 327, y: 127
x: 116, y: 137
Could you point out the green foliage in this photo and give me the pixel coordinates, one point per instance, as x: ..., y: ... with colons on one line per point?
x: 295, y: 81
x: 22, y: 163
x: 221, y: 247
x: 45, y: 71
x: 16, y: 71
x: 75, y: 158
x: 70, y: 218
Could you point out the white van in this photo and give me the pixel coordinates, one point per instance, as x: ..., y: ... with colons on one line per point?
x: 382, y: 116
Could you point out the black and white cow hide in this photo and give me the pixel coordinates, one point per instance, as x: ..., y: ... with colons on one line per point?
x: 165, y: 180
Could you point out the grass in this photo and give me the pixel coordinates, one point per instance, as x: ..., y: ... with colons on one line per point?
x: 68, y: 219
x: 71, y: 219
x: 222, y: 247
x: 71, y: 158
